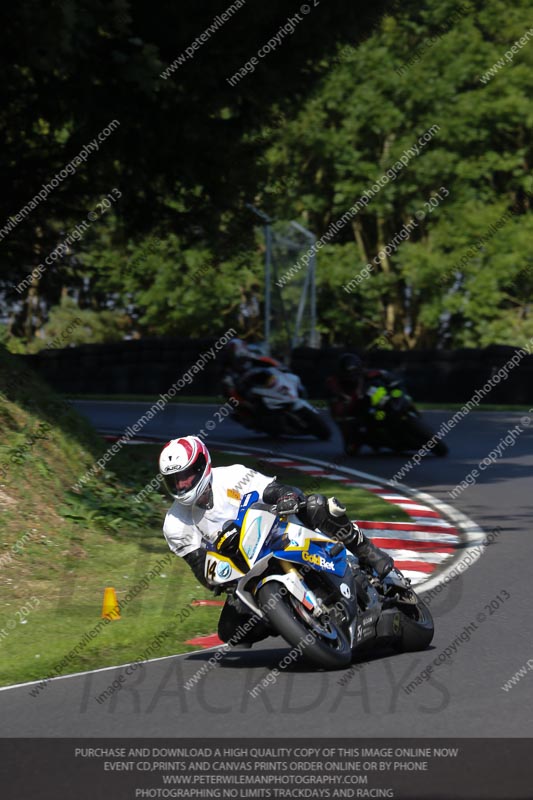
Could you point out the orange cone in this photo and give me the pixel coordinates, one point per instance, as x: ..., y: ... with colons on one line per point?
x: 110, y: 607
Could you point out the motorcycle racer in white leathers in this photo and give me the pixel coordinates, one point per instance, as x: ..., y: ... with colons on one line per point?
x: 205, y: 498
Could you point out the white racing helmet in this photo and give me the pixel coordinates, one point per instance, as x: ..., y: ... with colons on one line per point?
x: 185, y: 465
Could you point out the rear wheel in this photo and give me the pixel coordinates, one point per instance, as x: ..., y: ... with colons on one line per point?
x: 320, y: 641
x: 417, y: 627
x: 419, y: 435
x: 441, y: 450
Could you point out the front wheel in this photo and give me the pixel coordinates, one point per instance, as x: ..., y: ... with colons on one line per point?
x: 316, y: 425
x: 417, y: 627
x: 321, y: 642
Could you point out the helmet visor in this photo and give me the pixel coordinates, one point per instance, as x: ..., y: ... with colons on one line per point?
x: 179, y: 483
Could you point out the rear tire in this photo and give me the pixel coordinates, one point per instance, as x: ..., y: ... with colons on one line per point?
x: 279, y: 606
x: 420, y: 435
x: 417, y: 628
x: 441, y: 449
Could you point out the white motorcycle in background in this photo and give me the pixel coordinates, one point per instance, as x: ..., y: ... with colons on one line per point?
x: 273, y: 401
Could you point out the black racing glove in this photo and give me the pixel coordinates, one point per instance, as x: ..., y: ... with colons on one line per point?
x: 276, y: 490
x: 196, y: 561
x: 288, y: 503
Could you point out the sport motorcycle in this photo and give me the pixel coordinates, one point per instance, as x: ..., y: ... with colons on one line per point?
x: 273, y: 401
x: 311, y: 591
x: 390, y: 420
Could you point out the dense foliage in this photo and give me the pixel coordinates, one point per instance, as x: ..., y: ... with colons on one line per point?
x: 303, y: 136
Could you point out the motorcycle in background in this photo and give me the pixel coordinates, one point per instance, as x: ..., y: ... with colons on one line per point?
x: 390, y: 420
x: 272, y: 400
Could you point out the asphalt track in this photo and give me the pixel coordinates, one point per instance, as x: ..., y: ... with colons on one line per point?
x: 461, y: 698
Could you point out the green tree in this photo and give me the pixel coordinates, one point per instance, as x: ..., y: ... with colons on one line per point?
x: 179, y: 154
x: 372, y: 106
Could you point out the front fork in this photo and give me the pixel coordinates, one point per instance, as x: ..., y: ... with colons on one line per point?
x: 311, y: 602
x: 345, y: 608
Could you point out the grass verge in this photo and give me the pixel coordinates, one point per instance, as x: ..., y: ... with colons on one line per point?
x: 61, y: 547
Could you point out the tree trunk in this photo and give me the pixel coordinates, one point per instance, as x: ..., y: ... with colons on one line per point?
x: 357, y: 228
x: 32, y: 298
x: 389, y: 304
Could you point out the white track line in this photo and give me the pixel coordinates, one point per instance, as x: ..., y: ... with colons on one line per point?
x: 104, y: 669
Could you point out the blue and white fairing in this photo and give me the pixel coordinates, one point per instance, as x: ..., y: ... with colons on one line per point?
x: 262, y: 533
x: 264, y: 537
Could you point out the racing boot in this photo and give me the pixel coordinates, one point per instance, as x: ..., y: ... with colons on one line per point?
x: 369, y: 555
x: 237, y: 626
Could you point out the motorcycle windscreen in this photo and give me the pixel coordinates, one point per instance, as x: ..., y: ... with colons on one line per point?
x: 256, y: 527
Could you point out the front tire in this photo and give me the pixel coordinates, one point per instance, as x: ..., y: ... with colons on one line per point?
x: 288, y: 617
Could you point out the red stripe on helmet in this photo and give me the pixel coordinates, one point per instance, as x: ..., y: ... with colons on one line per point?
x: 188, y: 447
